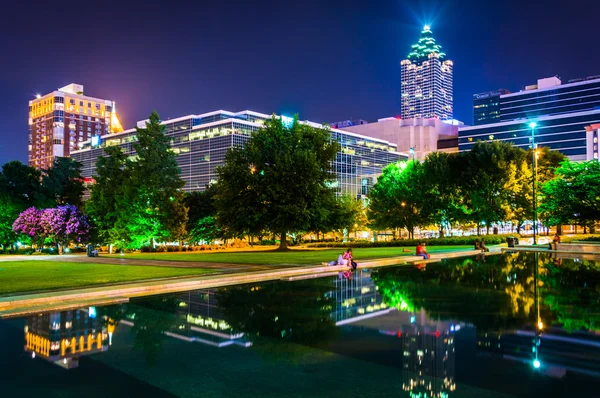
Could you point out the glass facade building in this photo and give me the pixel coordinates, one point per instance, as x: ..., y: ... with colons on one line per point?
x: 426, y: 81
x: 486, y: 107
x: 564, y: 133
x: 554, y: 100
x: 561, y: 112
x: 201, y: 142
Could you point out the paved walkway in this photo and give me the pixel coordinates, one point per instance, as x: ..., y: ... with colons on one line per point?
x: 32, y: 303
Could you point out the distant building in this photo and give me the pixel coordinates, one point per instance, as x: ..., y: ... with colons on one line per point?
x: 486, y: 107
x: 59, y: 122
x: 347, y: 123
x: 201, y: 141
x: 414, y: 136
x: 592, y: 136
x: 562, y: 114
x: 426, y: 77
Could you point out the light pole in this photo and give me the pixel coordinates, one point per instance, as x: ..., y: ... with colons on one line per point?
x: 533, y: 125
x: 412, y: 152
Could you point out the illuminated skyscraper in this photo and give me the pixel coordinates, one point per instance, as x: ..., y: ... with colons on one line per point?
x: 427, y: 80
x: 59, y: 122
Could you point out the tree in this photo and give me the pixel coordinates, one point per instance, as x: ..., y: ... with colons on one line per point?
x: 28, y: 223
x: 519, y: 190
x: 487, y: 172
x: 441, y: 178
x: 64, y: 224
x: 398, y: 198
x: 21, y: 183
x: 202, y: 224
x: 155, y: 185
x: 112, y: 176
x: 573, y: 196
x: 278, y: 181
x: 62, y: 183
x: 19, y: 189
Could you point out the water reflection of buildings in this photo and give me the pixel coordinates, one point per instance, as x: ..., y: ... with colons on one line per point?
x: 203, y: 321
x: 428, y: 362
x: 356, y: 298
x: 62, y: 337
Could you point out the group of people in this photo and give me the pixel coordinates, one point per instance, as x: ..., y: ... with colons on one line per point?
x: 481, y: 245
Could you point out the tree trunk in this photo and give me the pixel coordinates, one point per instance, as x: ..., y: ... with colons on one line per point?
x: 110, y: 247
x: 487, y: 228
x: 559, y: 229
x: 283, y: 243
x: 441, y: 231
x: 585, y: 229
x: 478, y: 229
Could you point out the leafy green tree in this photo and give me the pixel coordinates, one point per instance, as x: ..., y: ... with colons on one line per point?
x: 105, y: 203
x: 573, y: 196
x: 398, y: 198
x: 20, y: 188
x: 202, y: 224
x: 277, y: 181
x: 441, y: 179
x: 519, y: 190
x: 62, y: 183
x: 153, y: 194
x: 487, y: 173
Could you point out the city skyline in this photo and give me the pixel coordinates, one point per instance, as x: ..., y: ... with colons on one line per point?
x: 351, y: 52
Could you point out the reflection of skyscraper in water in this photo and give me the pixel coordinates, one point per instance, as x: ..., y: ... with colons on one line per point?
x: 62, y: 337
x: 204, y: 322
x: 356, y: 298
x: 428, y: 357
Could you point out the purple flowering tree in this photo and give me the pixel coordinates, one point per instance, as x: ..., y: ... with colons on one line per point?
x: 28, y: 223
x: 61, y: 225
x: 64, y: 224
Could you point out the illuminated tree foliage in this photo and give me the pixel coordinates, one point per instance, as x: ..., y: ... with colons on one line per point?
x: 573, y: 196
x: 399, y: 199
x: 278, y: 181
x: 137, y: 202
x: 202, y: 226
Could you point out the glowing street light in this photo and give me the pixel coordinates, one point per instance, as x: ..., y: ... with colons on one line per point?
x: 532, y: 126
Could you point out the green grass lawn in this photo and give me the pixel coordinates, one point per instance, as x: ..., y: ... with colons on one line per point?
x: 290, y: 257
x: 23, y: 276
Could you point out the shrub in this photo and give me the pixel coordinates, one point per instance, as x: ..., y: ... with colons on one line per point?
x: 453, y: 240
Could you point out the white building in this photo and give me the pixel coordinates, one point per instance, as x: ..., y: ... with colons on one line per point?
x: 427, y: 81
x: 413, y: 136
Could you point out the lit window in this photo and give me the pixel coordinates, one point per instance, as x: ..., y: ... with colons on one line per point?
x: 491, y: 136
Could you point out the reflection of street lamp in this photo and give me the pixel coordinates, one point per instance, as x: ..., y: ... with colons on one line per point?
x: 537, y: 341
x: 532, y: 126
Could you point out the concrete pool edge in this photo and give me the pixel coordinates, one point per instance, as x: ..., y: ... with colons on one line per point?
x: 56, y: 300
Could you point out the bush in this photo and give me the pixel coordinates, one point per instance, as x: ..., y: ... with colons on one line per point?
x: 453, y: 240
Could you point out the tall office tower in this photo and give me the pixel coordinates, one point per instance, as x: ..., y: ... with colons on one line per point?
x: 486, y: 107
x: 59, y: 122
x: 426, y: 80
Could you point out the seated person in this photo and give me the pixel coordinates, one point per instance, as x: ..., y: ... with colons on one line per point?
x: 483, y: 247
x: 555, y: 242
x: 341, y: 260
x: 477, y: 245
x: 421, y: 251
x: 348, y: 257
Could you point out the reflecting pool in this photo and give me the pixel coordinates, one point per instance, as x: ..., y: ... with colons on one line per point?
x: 514, y: 325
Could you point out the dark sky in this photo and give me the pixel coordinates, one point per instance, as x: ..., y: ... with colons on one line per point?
x: 326, y: 60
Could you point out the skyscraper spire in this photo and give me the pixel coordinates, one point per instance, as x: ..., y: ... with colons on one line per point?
x: 425, y: 46
x: 427, y: 80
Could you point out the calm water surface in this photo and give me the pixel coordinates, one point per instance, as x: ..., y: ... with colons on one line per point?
x: 515, y: 326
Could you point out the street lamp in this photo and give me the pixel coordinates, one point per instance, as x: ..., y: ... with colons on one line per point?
x: 412, y: 152
x: 532, y: 126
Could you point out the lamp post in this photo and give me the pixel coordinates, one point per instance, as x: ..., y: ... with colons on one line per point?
x: 412, y: 152
x: 533, y: 125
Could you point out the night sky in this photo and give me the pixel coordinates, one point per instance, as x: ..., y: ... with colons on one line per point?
x: 326, y: 60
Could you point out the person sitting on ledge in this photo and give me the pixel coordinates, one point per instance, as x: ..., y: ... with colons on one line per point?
x: 482, y: 246
x: 477, y: 245
x: 421, y: 251
x: 555, y: 242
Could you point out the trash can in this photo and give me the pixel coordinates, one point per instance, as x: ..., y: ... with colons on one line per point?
x: 511, y: 241
x: 90, y: 250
